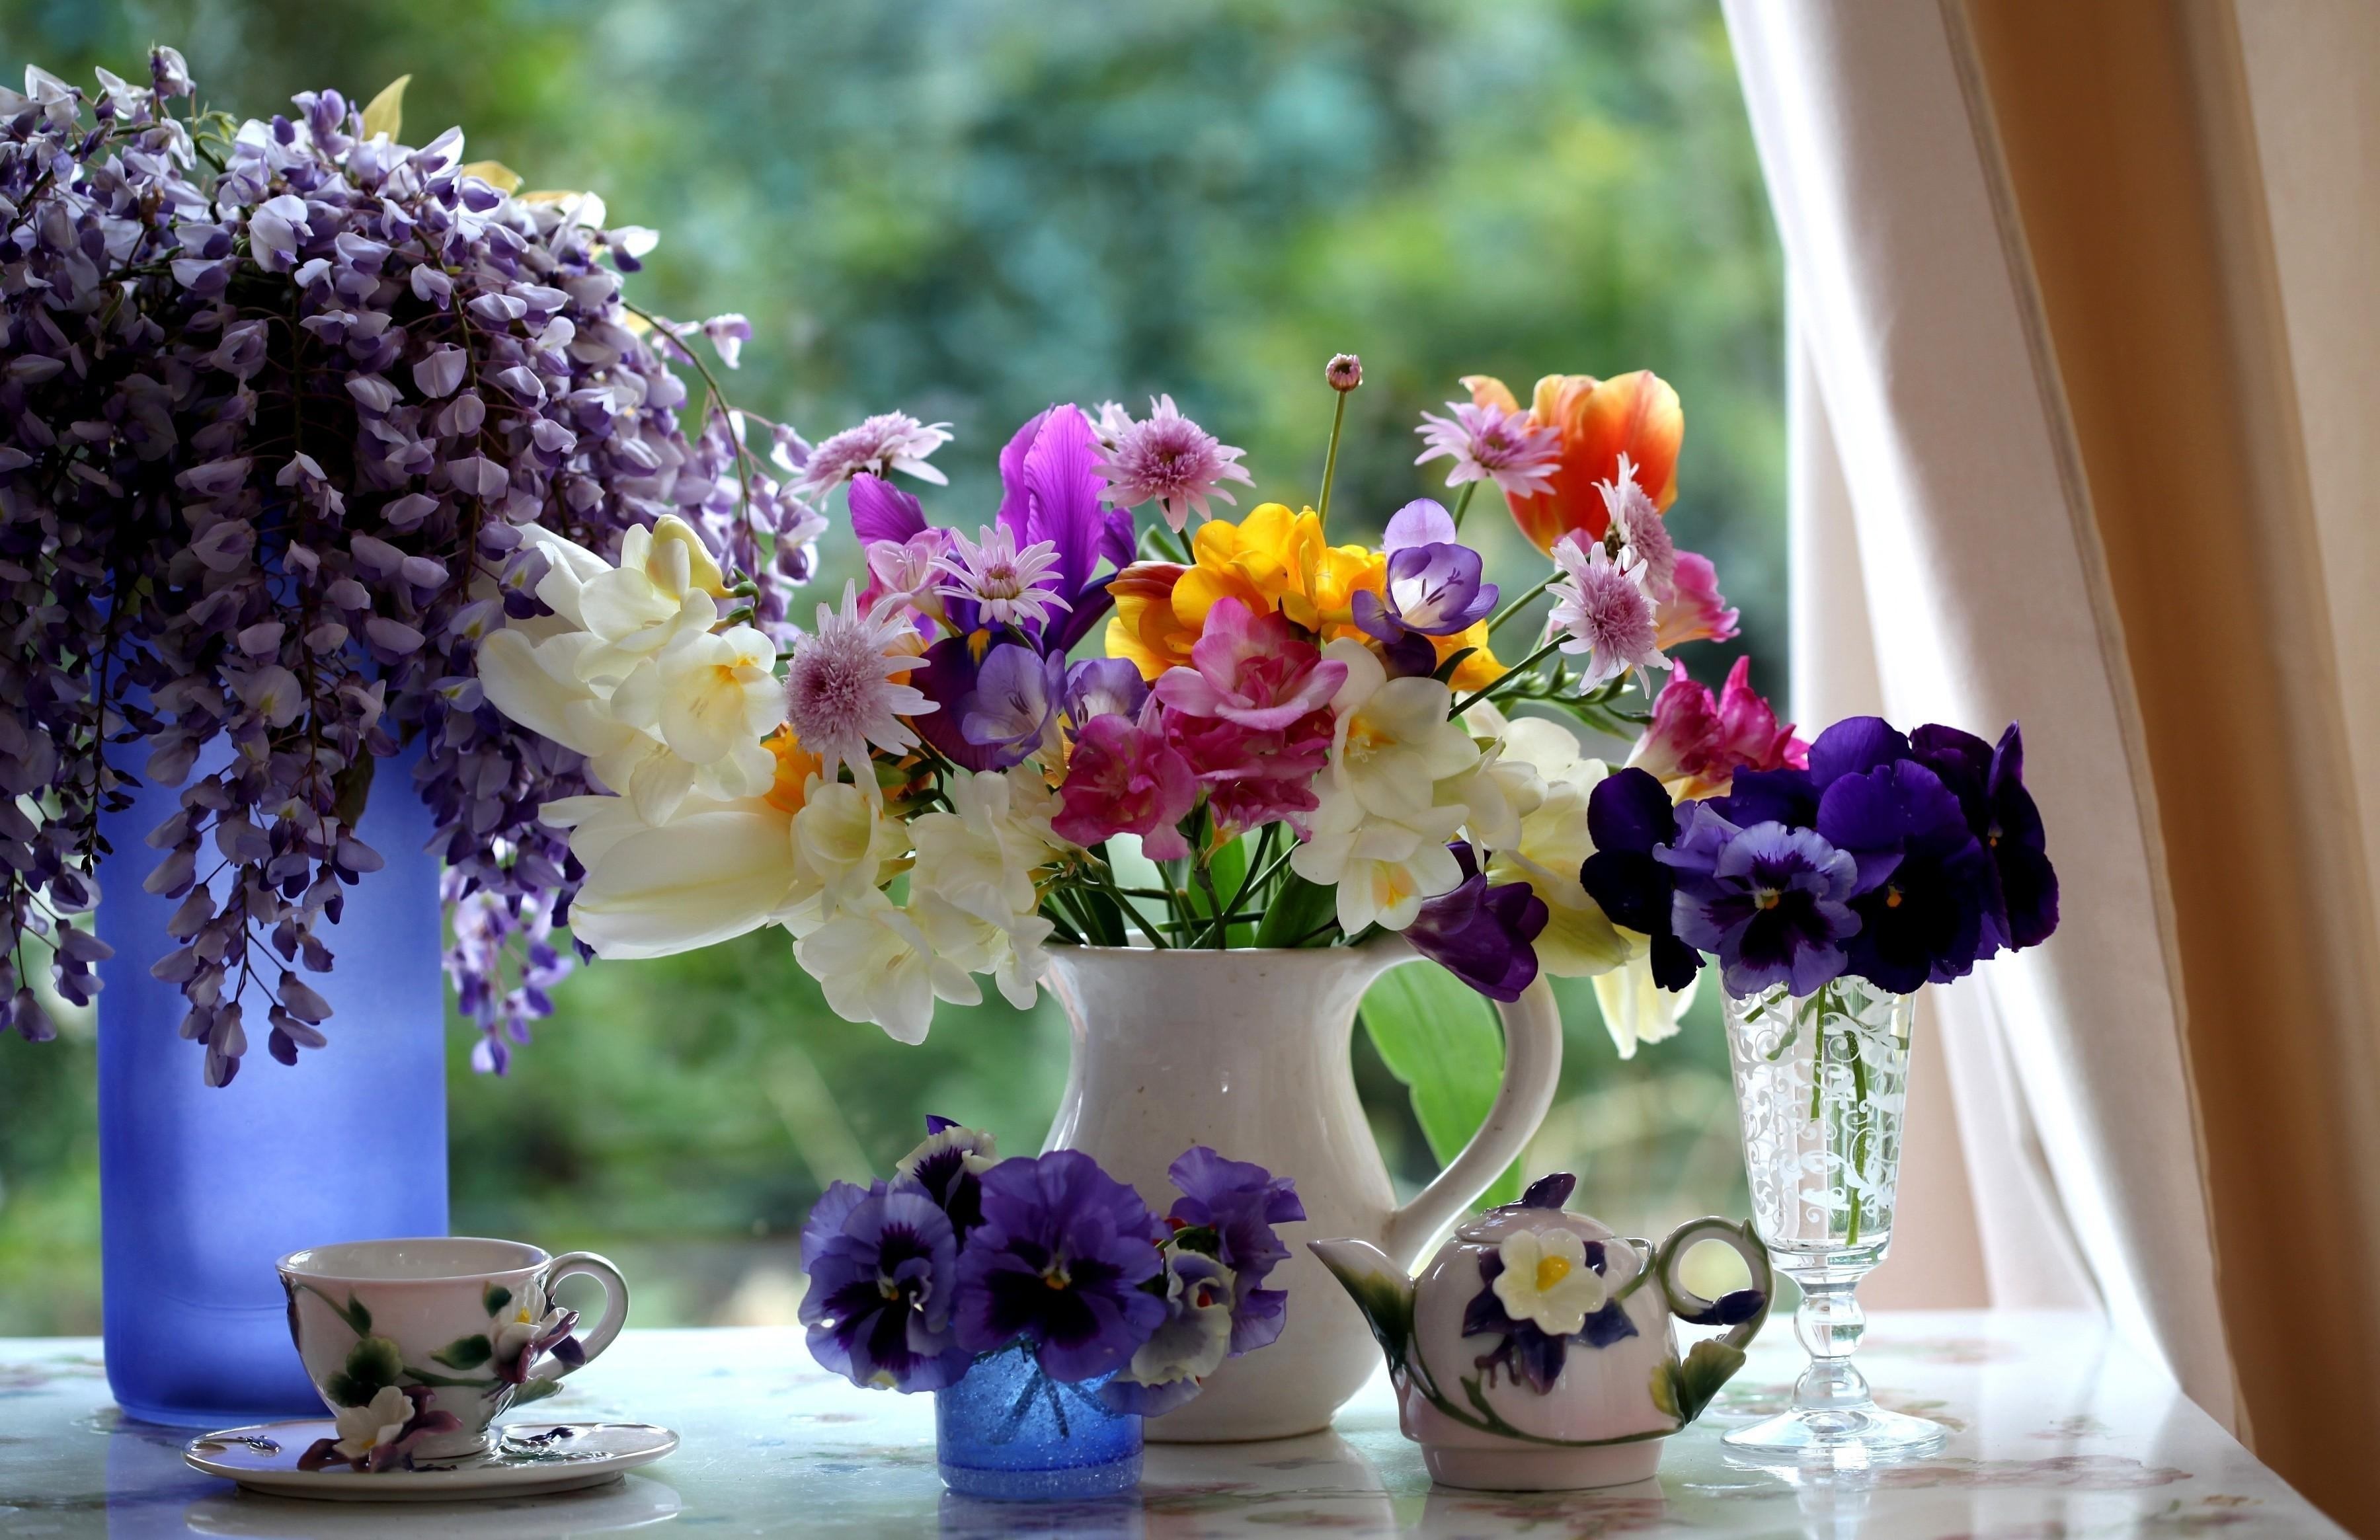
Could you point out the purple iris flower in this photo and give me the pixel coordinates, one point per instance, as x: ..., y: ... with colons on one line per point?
x: 883, y: 1275
x: 1061, y: 1258
x: 1240, y: 1201
x: 1926, y: 893
x: 1103, y: 688
x: 1773, y: 903
x: 1628, y: 815
x: 1482, y: 934
x: 1052, y: 490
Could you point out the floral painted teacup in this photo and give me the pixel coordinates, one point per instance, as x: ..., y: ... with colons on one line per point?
x: 418, y: 1345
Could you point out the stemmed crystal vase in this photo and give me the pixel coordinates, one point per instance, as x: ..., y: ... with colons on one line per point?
x: 1820, y: 1084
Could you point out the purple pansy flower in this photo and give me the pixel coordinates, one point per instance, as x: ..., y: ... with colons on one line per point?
x: 883, y: 1274
x: 1481, y: 933
x: 1629, y: 817
x: 1061, y: 1259
x: 1240, y: 1201
x: 1925, y: 889
x: 1989, y: 783
x: 949, y: 1166
x: 1772, y: 902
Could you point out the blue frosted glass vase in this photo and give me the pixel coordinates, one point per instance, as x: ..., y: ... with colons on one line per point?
x: 200, y: 1189
x: 1009, y: 1432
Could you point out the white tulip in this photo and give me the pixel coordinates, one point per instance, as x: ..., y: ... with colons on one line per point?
x: 715, y: 871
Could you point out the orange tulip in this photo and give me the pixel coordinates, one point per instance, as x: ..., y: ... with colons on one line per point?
x: 1636, y: 414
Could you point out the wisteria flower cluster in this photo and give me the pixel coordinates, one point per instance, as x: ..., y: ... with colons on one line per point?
x: 963, y: 1253
x: 1058, y: 723
x: 289, y: 412
x: 1896, y: 859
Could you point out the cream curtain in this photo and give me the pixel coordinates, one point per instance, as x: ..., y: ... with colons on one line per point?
x: 2088, y: 299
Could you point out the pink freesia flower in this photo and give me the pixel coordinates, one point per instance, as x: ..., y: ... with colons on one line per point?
x: 1697, y: 611
x: 1253, y: 669
x: 1126, y: 779
x: 1697, y: 744
x: 1254, y: 777
x: 911, y: 568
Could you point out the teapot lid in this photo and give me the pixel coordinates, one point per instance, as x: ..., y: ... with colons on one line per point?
x: 1538, y: 1207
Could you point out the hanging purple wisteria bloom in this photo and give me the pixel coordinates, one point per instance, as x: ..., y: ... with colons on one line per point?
x: 269, y: 435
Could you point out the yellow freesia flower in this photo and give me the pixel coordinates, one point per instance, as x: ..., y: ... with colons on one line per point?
x: 1277, y: 560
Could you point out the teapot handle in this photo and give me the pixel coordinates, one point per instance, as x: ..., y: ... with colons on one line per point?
x: 1533, y: 1050
x: 1740, y: 1312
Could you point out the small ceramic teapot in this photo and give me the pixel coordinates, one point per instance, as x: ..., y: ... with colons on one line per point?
x: 1536, y: 1351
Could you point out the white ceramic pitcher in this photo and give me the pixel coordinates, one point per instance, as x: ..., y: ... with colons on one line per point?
x: 1247, y: 1051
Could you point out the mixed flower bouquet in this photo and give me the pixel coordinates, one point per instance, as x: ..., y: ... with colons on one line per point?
x: 280, y: 401
x: 1287, y: 742
x: 963, y: 1254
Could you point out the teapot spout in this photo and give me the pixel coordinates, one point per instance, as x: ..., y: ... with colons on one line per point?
x: 1381, y: 1290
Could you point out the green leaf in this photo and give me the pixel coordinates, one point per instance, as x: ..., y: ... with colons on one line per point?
x: 535, y: 1390
x: 358, y: 1316
x: 466, y: 1352
x: 1454, y: 660
x: 373, y: 1364
x: 1229, y: 869
x: 1711, y: 1366
x: 1298, y: 910
x: 496, y: 1297
x: 1440, y: 1037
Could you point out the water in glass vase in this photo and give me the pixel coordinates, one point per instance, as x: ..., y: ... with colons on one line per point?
x: 1007, y: 1430
x: 1820, y: 1084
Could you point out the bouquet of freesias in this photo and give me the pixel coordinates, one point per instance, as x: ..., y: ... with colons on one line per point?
x: 1054, y: 723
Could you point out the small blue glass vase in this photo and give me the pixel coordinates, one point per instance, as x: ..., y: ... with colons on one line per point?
x: 1009, y: 1432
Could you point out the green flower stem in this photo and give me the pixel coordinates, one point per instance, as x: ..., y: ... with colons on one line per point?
x: 1515, y: 608
x: 1462, y: 503
x: 1330, y: 460
x: 1860, y: 1139
x: 1531, y: 661
x: 1100, y: 879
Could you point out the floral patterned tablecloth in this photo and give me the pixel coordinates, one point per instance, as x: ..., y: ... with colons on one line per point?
x: 2058, y: 1431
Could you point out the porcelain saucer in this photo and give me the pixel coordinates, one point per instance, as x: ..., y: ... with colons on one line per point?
x: 528, y: 1459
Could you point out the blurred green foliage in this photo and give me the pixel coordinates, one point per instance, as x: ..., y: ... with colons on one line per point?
x: 967, y: 209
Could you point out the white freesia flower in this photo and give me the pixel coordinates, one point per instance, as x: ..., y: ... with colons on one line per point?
x: 1635, y: 1009
x: 976, y: 864
x: 1578, y: 940
x: 844, y: 841
x: 1545, y: 1280
x: 1496, y: 793
x: 665, y: 586
x: 379, y: 1420
x: 1382, y: 869
x: 1392, y: 742
x: 875, y: 965
x: 710, y: 698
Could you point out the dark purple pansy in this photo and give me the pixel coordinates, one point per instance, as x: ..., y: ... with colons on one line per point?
x: 1773, y: 903
x: 1989, y: 783
x: 1240, y: 1201
x: 945, y: 1167
x: 1925, y: 891
x: 1481, y: 933
x: 883, y: 1274
x: 1629, y: 815
x: 1061, y: 1259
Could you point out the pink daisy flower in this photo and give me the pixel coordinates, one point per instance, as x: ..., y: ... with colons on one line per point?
x: 1488, y: 443
x: 841, y: 690
x: 1601, y: 609
x: 1167, y: 459
x: 1642, y: 530
x: 884, y: 444
x: 1007, y: 583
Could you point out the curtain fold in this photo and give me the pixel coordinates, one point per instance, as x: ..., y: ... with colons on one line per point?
x: 2089, y: 295
x: 1990, y: 600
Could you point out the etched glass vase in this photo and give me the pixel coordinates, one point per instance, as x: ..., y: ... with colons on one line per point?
x: 1008, y: 1431
x: 1820, y: 1084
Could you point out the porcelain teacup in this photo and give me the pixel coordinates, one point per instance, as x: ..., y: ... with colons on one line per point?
x: 418, y: 1345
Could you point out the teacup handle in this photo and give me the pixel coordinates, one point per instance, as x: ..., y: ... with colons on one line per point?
x: 615, y: 1311
x: 1742, y: 1317
x: 1533, y: 1049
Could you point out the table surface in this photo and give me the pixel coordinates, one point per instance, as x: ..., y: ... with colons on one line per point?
x: 2057, y: 1432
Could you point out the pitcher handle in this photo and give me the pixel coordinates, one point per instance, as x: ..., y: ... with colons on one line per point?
x: 1742, y: 1312
x: 1533, y: 1051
